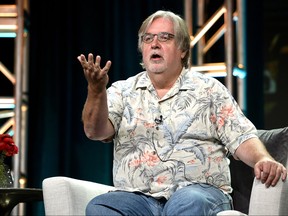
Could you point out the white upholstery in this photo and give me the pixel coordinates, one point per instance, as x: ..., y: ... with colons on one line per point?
x: 68, y: 196
x: 230, y: 213
x: 271, y: 201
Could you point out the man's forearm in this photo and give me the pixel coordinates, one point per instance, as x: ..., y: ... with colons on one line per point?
x: 95, y: 116
x: 252, y: 151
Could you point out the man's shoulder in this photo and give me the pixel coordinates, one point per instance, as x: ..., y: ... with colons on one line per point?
x: 132, y: 81
x: 192, y: 76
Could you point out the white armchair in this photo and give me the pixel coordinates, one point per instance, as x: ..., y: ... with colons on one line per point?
x: 68, y: 196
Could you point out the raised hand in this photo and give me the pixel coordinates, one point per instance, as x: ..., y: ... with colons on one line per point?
x: 96, y: 76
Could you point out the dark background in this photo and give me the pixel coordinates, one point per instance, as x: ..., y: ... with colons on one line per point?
x: 57, y: 88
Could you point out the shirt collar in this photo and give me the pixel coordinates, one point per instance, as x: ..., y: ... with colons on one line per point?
x: 182, y: 83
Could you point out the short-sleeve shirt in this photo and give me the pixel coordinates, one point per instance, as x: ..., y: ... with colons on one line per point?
x: 163, y: 144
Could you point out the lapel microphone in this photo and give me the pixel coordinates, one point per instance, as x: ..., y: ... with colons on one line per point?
x: 158, y: 120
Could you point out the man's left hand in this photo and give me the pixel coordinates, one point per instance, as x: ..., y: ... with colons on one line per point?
x: 269, y: 172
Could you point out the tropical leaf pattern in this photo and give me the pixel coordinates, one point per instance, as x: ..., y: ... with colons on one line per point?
x: 201, y: 123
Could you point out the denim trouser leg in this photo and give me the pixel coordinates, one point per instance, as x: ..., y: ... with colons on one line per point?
x: 197, y: 199
x: 124, y: 203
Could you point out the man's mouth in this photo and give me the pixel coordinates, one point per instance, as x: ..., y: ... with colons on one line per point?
x: 155, y: 57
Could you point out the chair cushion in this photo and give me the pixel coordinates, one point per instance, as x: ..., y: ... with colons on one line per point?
x: 242, y: 176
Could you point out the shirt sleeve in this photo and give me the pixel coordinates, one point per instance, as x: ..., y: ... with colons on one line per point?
x: 115, y: 104
x: 232, y: 126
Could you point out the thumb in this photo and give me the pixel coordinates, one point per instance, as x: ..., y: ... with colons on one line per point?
x: 257, y: 170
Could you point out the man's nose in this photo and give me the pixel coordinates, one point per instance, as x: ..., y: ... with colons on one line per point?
x: 155, y: 42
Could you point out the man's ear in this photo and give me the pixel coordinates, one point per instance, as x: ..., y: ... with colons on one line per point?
x: 183, y: 54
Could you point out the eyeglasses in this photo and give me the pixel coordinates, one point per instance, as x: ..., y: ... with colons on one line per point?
x: 161, y: 36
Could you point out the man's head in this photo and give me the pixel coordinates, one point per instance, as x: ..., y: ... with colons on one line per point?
x: 181, y: 34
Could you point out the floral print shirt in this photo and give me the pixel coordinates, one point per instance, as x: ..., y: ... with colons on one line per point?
x: 161, y: 145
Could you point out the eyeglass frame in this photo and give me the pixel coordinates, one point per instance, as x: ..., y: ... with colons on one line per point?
x: 169, y: 37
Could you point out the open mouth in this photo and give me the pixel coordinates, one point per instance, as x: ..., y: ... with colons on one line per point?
x: 156, y: 57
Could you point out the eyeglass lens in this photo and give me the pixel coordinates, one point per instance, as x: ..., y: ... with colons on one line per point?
x: 161, y: 36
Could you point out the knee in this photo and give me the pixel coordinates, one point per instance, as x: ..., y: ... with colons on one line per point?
x: 195, y: 201
x: 95, y: 208
x: 90, y: 209
x: 96, y: 205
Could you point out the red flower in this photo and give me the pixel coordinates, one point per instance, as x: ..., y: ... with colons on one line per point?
x: 7, y: 145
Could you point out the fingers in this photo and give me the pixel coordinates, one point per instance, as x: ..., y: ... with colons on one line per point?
x: 89, y: 66
x: 269, y: 172
x: 280, y: 170
x: 107, y: 66
x: 81, y: 58
x: 96, y: 76
x: 89, y: 62
x: 271, y: 178
x: 90, y: 58
x: 284, y: 174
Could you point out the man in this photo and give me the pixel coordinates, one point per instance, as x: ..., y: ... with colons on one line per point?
x: 172, y: 130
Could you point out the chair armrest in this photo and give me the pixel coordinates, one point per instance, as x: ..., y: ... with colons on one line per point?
x: 68, y: 196
x: 269, y: 201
